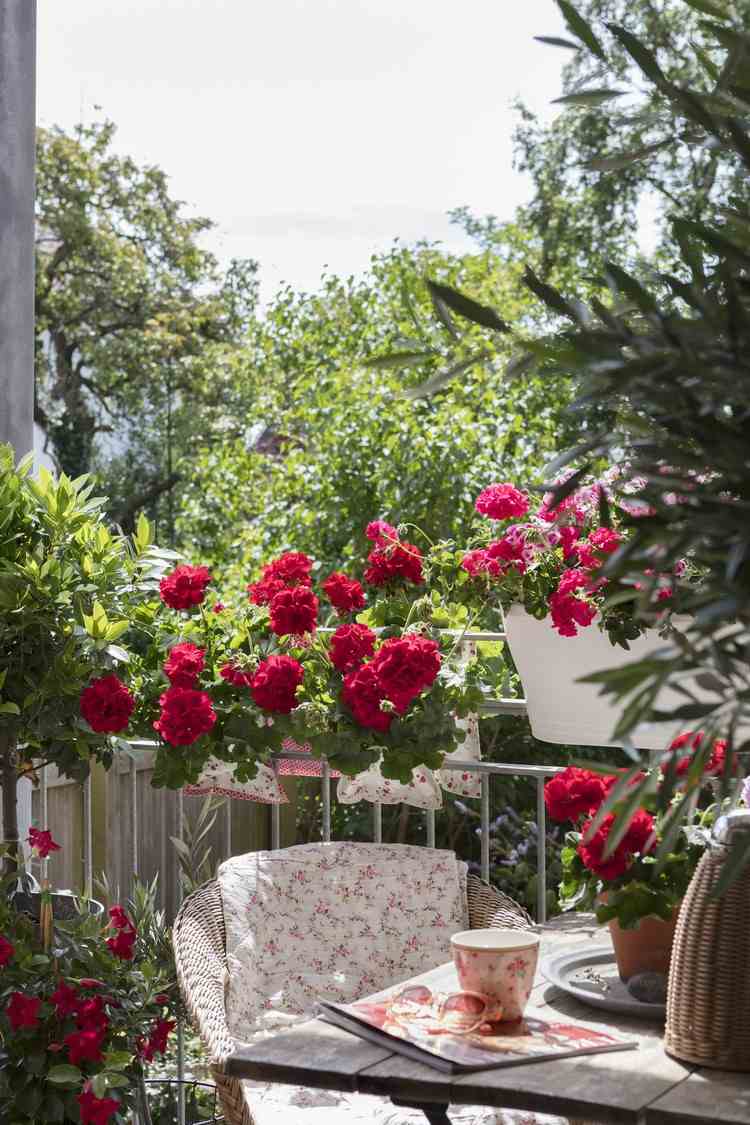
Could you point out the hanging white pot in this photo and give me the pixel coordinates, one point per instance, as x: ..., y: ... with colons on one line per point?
x: 562, y: 710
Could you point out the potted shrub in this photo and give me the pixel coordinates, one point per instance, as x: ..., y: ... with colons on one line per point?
x: 69, y: 591
x: 85, y: 1006
x: 610, y: 865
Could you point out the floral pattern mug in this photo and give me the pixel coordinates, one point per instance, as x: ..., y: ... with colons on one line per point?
x: 500, y: 964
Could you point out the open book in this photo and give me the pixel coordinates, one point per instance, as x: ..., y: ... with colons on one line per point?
x: 425, y: 1036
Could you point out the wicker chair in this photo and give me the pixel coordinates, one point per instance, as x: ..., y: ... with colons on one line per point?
x: 199, y: 945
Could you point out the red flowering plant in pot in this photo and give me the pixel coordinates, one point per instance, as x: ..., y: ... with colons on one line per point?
x: 548, y: 557
x: 71, y: 595
x: 85, y: 1007
x: 610, y: 862
x: 359, y: 671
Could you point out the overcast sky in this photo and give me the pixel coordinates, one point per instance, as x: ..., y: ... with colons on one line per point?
x: 311, y: 131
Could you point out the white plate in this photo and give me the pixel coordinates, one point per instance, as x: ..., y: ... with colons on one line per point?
x: 591, y: 976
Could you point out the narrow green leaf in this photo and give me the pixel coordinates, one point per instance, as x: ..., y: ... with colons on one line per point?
x: 623, y: 159
x: 641, y: 55
x: 554, y: 41
x: 708, y: 8
x: 588, y: 97
x: 468, y: 308
x: 437, y: 382
x: 581, y: 29
x: 397, y: 360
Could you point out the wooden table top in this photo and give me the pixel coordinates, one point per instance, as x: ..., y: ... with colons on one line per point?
x: 642, y: 1087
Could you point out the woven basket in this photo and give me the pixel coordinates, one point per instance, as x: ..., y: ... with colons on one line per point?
x: 708, y: 999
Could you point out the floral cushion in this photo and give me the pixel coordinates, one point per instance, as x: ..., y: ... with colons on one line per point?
x: 423, y: 791
x: 218, y: 778
x: 333, y: 921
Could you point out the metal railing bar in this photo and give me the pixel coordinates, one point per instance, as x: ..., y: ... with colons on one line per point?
x: 484, y: 821
x: 228, y: 827
x: 88, y: 841
x: 44, y: 815
x: 430, y: 825
x: 377, y: 822
x: 456, y: 764
x: 325, y: 786
x: 134, y: 820
x: 541, y: 854
x: 275, y: 827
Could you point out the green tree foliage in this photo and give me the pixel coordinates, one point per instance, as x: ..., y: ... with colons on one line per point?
x: 595, y: 175
x: 340, y: 426
x: 135, y: 321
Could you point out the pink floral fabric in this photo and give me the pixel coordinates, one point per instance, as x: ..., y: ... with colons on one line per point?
x: 333, y: 921
x: 423, y: 791
x: 218, y: 779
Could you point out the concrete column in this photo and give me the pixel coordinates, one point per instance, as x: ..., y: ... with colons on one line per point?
x: 17, y: 143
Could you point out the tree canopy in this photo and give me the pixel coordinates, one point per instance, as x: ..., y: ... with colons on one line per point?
x: 135, y: 320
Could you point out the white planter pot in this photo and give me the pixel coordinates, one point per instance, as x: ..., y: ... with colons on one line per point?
x: 564, y: 711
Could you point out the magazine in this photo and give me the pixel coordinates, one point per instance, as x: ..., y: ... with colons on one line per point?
x: 428, y: 1032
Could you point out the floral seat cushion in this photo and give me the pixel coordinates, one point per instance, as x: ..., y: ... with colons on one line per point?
x: 333, y: 921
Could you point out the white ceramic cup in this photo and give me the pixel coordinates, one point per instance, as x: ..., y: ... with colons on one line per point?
x: 500, y: 964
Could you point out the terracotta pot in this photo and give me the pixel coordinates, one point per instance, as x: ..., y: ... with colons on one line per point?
x: 646, y: 949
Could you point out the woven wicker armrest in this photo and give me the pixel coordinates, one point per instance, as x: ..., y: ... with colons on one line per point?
x: 489, y: 907
x: 199, y: 946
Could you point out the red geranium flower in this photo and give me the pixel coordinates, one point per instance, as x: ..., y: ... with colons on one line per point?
x: 390, y: 562
x: 573, y: 792
x: 106, y: 705
x: 185, y: 586
x: 274, y: 685
x: 292, y: 568
x: 93, y: 1110
x: 65, y: 1000
x: 351, y: 645
x: 345, y: 594
x: 22, y: 1010
x: 405, y: 666
x: 40, y: 840
x: 262, y: 592
x: 235, y: 676
x: 184, y: 664
x: 294, y: 611
x: 500, y: 501
x: 379, y: 529
x: 185, y: 716
x: 694, y: 740
x: 567, y: 610
x: 635, y: 841
x: 7, y: 951
x: 479, y: 561
x: 362, y: 693
x: 85, y: 1046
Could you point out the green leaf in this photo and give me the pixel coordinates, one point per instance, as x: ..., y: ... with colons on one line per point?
x: 9, y: 709
x: 397, y: 360
x: 554, y: 41
x: 64, y: 1074
x: 589, y: 97
x: 624, y: 159
x: 581, y: 29
x: 708, y: 8
x: 467, y: 307
x: 437, y: 382
x: 641, y: 55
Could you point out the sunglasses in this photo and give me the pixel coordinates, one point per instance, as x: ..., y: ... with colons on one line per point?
x: 457, y: 1013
